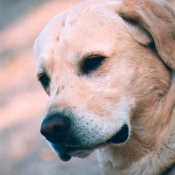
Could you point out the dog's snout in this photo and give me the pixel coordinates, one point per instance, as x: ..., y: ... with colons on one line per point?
x: 54, y: 127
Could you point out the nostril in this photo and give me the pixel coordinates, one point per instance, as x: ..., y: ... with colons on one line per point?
x: 54, y: 127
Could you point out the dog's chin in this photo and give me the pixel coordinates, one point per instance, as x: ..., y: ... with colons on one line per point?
x: 65, y: 152
x: 79, y: 153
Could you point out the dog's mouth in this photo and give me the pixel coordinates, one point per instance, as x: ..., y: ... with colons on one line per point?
x: 121, y: 136
x: 65, y: 152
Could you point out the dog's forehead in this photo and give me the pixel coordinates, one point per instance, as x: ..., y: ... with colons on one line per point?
x: 85, y: 27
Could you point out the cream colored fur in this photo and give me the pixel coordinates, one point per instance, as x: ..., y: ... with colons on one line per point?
x: 135, y: 85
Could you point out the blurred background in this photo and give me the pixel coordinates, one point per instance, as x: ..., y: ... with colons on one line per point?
x: 23, y: 151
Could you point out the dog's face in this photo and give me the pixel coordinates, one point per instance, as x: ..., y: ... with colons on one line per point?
x: 98, y: 77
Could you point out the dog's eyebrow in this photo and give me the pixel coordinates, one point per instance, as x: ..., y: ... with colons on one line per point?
x: 40, y: 70
x: 83, y: 55
x: 93, y: 53
x: 41, y: 66
x: 77, y: 55
x: 80, y: 56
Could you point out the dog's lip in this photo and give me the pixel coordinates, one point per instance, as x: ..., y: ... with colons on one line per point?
x: 73, y: 152
x: 65, y: 152
x: 64, y: 156
x: 68, y: 151
x: 121, y: 136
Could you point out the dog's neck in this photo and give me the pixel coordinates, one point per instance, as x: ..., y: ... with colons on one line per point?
x: 137, y: 159
x: 142, y: 155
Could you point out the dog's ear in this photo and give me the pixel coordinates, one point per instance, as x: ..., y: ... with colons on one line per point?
x: 152, y: 21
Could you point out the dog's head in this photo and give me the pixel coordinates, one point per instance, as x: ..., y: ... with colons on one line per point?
x: 103, y: 63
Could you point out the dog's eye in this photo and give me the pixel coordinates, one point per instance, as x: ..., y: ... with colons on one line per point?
x: 45, y: 81
x: 92, y: 63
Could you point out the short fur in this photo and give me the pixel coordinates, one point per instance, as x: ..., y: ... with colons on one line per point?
x: 135, y: 85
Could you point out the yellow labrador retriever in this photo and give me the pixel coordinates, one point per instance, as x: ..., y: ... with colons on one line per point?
x: 108, y: 67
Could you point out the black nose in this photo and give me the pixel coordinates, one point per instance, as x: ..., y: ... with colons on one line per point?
x: 54, y: 127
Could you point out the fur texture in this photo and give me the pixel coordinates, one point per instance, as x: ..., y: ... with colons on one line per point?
x: 134, y: 85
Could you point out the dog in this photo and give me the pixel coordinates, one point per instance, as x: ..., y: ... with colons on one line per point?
x: 109, y: 69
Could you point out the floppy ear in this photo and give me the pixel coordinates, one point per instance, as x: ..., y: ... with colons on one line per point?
x: 152, y: 21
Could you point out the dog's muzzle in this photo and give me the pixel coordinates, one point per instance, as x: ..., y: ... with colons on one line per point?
x: 57, y: 129
x: 54, y: 127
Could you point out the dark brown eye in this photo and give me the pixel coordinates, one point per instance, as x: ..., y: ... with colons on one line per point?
x: 45, y: 80
x: 92, y: 63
